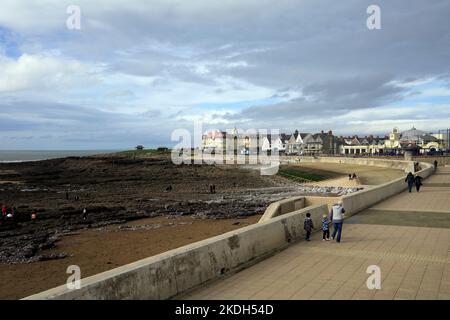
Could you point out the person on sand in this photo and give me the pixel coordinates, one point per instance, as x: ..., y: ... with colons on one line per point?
x: 410, y: 180
x: 418, y: 182
x: 337, y: 217
x: 308, y: 226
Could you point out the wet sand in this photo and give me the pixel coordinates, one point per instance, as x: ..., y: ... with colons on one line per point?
x: 99, y: 250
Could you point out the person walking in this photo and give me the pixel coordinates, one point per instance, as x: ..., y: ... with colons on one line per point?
x: 337, y: 217
x: 435, y: 165
x: 308, y: 226
x: 418, y: 182
x: 410, y: 180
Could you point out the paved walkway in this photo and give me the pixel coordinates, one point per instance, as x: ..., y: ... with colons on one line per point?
x: 434, y: 196
x: 414, y: 260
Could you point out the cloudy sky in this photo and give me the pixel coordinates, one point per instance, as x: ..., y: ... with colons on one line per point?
x: 137, y: 70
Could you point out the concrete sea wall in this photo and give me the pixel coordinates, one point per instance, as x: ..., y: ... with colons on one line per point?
x: 366, y: 198
x: 385, y: 163
x: 174, y: 272
x: 282, y: 207
x: 357, y: 201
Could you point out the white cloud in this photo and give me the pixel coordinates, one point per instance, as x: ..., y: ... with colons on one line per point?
x: 33, y: 72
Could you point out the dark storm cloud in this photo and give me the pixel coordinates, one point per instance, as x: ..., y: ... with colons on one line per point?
x: 329, y: 98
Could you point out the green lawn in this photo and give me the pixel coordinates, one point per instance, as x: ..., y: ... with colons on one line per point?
x: 145, y: 153
x: 305, y: 174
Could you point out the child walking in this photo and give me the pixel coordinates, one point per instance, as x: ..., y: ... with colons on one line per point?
x: 326, y: 228
x: 308, y: 226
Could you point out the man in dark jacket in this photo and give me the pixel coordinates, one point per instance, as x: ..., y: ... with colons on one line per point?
x: 410, y: 180
x: 435, y: 165
x: 308, y: 226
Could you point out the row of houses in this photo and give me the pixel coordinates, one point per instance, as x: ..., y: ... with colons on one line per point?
x: 250, y: 143
x: 323, y: 143
x: 417, y: 141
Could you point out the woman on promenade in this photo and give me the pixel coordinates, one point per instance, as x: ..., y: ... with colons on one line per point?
x: 410, y: 180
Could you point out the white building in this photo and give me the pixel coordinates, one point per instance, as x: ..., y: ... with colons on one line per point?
x: 367, y: 145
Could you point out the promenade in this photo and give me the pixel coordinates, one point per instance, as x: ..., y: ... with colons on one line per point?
x: 407, y: 236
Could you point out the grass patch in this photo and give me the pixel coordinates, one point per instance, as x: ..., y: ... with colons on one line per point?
x: 143, y: 153
x: 302, y: 175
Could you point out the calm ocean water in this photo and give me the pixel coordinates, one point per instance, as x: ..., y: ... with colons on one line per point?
x: 33, y: 155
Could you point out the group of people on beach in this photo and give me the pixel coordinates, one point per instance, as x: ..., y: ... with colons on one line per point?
x: 11, y: 214
x: 336, y: 217
x: 8, y: 213
x: 352, y: 176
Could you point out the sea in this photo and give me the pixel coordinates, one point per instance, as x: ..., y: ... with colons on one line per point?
x: 36, y: 155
